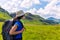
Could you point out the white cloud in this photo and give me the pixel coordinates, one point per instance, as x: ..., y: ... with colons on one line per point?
x: 33, y: 11
x: 36, y: 1
x: 26, y: 4
x: 29, y: 3
x: 10, y: 5
x: 48, y: 0
x: 13, y: 5
x: 50, y: 9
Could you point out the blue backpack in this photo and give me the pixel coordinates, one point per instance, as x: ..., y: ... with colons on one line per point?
x: 5, y: 30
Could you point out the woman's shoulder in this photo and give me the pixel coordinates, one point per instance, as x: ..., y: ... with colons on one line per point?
x: 18, y: 22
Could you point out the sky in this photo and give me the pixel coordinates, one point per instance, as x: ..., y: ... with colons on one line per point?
x: 43, y: 8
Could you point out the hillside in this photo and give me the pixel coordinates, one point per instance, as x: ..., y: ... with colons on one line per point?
x: 54, y: 19
x: 30, y: 18
x: 51, y: 18
x: 39, y: 19
x: 4, y: 15
x: 36, y: 19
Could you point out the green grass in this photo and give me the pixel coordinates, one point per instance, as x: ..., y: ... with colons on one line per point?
x: 4, y: 16
x: 32, y: 22
x: 1, y: 30
x: 39, y: 32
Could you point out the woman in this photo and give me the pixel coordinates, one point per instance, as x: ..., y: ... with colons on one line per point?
x: 18, y: 27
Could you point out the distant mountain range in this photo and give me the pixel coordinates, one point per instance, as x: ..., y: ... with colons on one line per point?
x: 37, y: 18
x: 30, y: 18
x: 51, y: 18
x: 54, y: 19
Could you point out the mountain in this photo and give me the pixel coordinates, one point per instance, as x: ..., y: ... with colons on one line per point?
x: 30, y: 18
x: 12, y: 14
x: 59, y: 20
x: 51, y: 18
x: 3, y: 10
x: 4, y: 15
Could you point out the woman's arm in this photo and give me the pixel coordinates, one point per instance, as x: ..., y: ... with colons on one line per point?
x: 13, y: 30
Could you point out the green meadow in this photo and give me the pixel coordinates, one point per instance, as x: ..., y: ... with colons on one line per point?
x: 35, y: 29
x: 39, y: 32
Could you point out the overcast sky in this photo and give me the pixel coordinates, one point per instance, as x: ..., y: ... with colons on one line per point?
x: 44, y: 8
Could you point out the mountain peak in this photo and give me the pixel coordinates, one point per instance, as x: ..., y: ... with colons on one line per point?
x: 51, y: 18
x: 3, y: 10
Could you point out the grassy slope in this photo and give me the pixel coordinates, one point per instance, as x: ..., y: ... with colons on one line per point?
x: 32, y: 21
x: 4, y: 16
x: 0, y: 30
x: 40, y: 32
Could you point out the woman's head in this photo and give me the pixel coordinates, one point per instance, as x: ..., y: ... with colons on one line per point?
x: 19, y: 15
